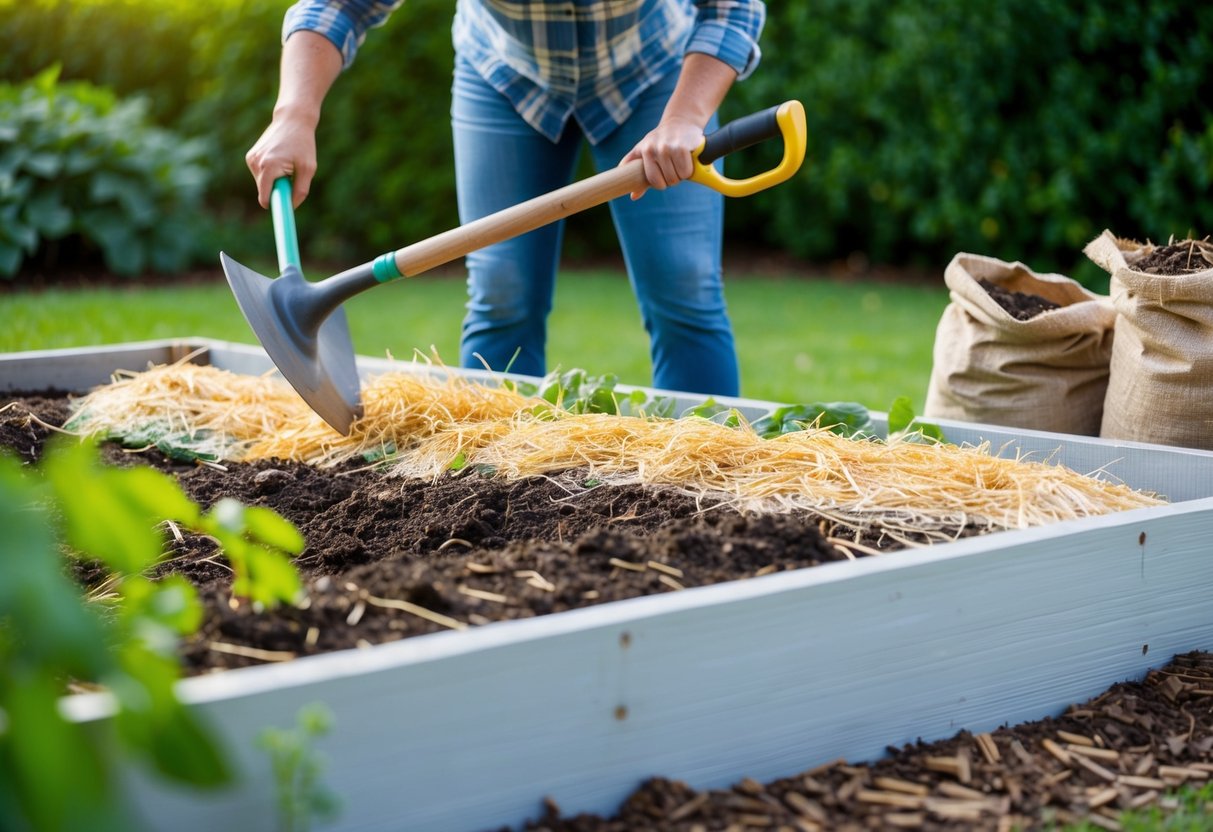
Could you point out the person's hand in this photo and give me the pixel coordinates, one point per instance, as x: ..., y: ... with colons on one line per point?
x: 666, y: 152
x: 286, y: 148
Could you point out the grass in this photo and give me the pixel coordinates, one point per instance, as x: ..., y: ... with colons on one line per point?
x: 1190, y: 811
x: 799, y: 339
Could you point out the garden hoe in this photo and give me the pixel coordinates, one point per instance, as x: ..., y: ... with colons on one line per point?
x: 303, y: 328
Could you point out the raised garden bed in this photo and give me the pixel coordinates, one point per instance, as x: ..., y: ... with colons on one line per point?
x: 761, y: 678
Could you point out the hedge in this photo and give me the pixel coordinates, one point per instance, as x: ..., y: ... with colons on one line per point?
x: 1015, y: 128
x: 84, y: 176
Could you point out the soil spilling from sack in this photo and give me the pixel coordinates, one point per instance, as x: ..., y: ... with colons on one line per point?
x: 471, y: 550
x: 1022, y: 306
x: 1184, y: 257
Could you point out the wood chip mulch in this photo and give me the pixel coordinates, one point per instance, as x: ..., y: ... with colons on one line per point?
x: 1128, y: 748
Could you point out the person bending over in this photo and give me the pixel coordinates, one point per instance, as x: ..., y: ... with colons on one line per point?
x: 637, y: 79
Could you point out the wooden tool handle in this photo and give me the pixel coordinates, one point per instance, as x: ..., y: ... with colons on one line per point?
x: 519, y: 219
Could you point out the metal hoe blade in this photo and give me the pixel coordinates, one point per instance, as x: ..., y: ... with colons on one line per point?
x: 307, y: 339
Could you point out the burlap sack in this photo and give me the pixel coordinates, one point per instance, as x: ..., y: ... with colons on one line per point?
x: 1160, y: 387
x: 1048, y: 373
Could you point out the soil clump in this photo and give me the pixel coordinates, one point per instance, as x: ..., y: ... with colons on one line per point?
x: 1184, y: 257
x: 1022, y: 306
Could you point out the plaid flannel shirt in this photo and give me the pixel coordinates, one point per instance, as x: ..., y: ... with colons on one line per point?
x: 556, y: 59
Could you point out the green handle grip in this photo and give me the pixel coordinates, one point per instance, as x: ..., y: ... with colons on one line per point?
x: 285, y: 236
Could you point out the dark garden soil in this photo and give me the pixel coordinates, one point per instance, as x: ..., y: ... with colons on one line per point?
x: 477, y: 549
x: 1021, y: 305
x: 1184, y: 257
x: 466, y: 547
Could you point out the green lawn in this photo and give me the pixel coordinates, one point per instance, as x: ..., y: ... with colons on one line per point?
x: 799, y: 339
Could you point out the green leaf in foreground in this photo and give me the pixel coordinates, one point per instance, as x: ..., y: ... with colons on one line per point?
x: 53, y: 773
x: 113, y: 513
x: 257, y: 546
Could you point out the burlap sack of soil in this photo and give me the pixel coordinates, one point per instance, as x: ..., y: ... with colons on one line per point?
x: 1161, y: 384
x: 1047, y: 373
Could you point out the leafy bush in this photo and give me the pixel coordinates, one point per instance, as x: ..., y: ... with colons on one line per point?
x: 212, y: 69
x: 53, y: 773
x: 132, y: 46
x: 1015, y: 128
x: 78, y: 166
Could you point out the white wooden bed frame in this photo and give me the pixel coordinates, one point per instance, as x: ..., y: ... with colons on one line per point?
x: 763, y: 678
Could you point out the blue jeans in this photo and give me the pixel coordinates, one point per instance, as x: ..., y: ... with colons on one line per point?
x: 671, y: 243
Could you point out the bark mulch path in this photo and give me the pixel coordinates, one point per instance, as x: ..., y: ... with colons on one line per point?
x: 474, y: 549
x: 1122, y: 750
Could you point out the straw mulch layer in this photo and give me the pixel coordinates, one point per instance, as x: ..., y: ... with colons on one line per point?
x: 468, y: 549
x: 426, y: 425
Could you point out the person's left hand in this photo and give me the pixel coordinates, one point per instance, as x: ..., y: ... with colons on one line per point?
x: 666, y: 152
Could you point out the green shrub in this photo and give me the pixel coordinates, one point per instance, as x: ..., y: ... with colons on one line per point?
x: 1015, y: 128
x: 54, y: 774
x: 131, y: 46
x: 81, y: 168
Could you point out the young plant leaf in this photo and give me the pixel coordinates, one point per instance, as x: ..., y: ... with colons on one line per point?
x: 273, y: 530
x: 904, y: 423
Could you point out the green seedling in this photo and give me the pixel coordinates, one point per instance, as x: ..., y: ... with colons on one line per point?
x: 904, y: 424
x: 713, y: 411
x: 576, y: 391
x: 844, y: 418
x: 301, y: 797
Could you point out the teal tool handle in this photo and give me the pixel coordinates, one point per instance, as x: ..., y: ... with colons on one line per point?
x: 285, y: 236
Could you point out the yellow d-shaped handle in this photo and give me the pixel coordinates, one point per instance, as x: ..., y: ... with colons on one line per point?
x: 786, y: 120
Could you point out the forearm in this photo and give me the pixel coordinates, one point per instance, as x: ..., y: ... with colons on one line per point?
x: 310, y: 64
x: 702, y: 85
x: 666, y: 150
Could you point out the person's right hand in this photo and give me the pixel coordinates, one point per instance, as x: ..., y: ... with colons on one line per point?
x: 286, y: 148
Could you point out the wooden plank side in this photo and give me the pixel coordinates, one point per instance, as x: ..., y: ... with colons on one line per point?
x: 760, y: 678
x: 78, y: 369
